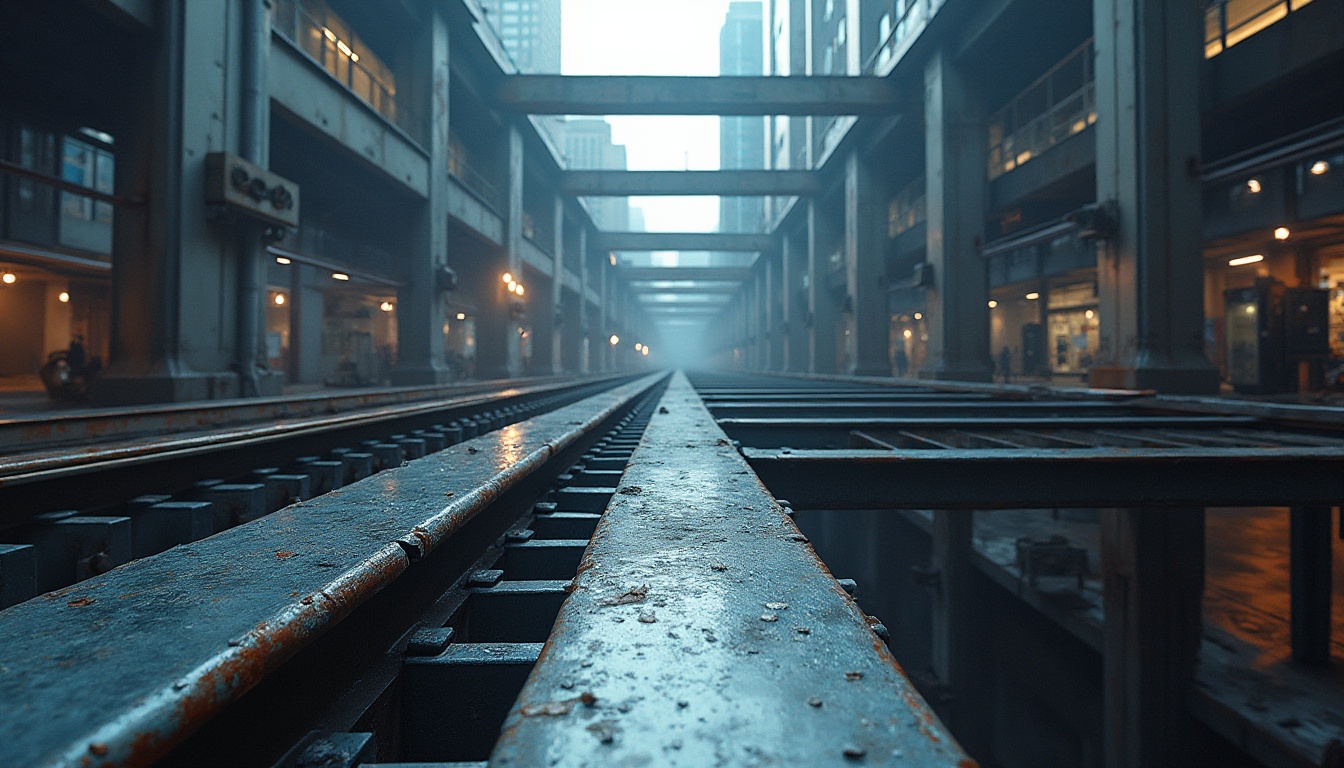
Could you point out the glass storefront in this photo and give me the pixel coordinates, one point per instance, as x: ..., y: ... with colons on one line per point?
x: 1072, y: 330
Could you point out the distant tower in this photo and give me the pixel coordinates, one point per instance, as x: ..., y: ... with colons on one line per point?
x: 587, y: 146
x: 530, y: 31
x: 741, y: 139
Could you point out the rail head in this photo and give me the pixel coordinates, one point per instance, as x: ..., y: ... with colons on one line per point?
x: 704, y: 630
x: 118, y: 669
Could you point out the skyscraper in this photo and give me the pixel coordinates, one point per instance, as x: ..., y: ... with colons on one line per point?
x: 741, y: 139
x: 530, y: 31
x: 587, y: 146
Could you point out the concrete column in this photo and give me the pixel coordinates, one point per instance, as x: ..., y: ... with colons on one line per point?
x: 865, y: 223
x: 793, y: 305
x: 420, y: 305
x: 822, y: 313
x: 774, y: 346
x: 585, y: 332
x: 603, y: 316
x: 556, y: 302
x: 171, y: 265
x: 1150, y: 274
x: 954, y: 139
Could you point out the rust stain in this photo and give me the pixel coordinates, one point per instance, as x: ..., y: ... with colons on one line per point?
x: 284, y: 555
x: 81, y: 602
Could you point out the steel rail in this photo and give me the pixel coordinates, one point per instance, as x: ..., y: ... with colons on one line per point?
x: 19, y: 470
x: 86, y: 677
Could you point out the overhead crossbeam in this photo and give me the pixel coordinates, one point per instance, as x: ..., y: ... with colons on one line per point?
x: 683, y: 241
x: 729, y: 95
x: 643, y: 274
x: 684, y: 286
x: 685, y: 183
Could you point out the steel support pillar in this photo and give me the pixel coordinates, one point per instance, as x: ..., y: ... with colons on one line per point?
x: 774, y: 336
x: 1153, y: 585
x: 958, y: 651
x: 584, y: 330
x: 1150, y: 271
x: 867, y: 328
x: 958, y: 312
x: 421, y: 346
x: 171, y: 265
x: 822, y: 312
x: 1310, y: 583
x: 498, y: 343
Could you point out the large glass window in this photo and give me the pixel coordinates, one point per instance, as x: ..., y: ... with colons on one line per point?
x: 1228, y: 22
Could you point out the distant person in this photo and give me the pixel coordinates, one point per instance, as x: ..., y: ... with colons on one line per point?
x: 1005, y: 365
x: 902, y: 361
x: 75, y: 355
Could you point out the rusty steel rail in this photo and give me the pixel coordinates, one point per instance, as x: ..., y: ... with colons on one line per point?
x: 38, y: 466
x: 118, y: 669
x: 29, y: 432
x: 703, y: 630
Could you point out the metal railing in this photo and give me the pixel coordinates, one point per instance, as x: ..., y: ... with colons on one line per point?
x: 1228, y: 22
x: 901, y: 23
x: 309, y: 25
x: 1060, y: 104
x: 461, y: 168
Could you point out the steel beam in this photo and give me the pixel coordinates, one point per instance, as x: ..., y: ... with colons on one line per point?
x: 668, y: 183
x: 1052, y: 478
x: 684, y: 286
x: 708, y: 274
x: 704, y: 600
x: 684, y: 241
x: 644, y: 95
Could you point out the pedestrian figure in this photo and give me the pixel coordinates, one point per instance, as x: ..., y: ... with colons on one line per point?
x: 1006, y: 365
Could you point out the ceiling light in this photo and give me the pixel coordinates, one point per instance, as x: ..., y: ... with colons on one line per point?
x: 507, y: 277
x: 1033, y: 296
x: 279, y: 299
x: 1089, y: 314
x: 919, y: 315
x: 386, y: 306
x: 1253, y: 186
x: 1282, y: 233
x: 1320, y: 168
x: 1246, y: 260
x: 612, y: 257
x: 908, y: 333
x: 614, y: 340
x: 339, y: 276
x: 282, y: 260
x: 645, y: 351
x: 520, y: 289
x: 461, y: 316
x: 993, y: 304
x: 8, y: 278
x: 64, y: 298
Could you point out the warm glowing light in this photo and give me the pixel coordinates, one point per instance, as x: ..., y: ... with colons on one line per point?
x: 1246, y: 260
x: 343, y: 48
x: 461, y: 316
x: 64, y: 298
x: 279, y: 299
x: 1282, y: 233
x: 993, y: 304
x: 919, y: 315
x: 339, y: 276
x: 614, y: 340
x: 645, y: 351
x: 1033, y: 296
x: 8, y: 278
x: 1253, y: 186
x: 909, y: 334
x: 638, y: 346
x: 612, y: 257
x: 520, y: 289
x: 1320, y: 168
x: 354, y: 57
x: 1089, y: 314
x: 1250, y: 309
x: 330, y: 35
x: 282, y: 260
x: 507, y: 277
x: 386, y: 306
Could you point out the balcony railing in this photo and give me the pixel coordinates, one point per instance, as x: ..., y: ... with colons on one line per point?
x: 905, y: 19
x: 461, y: 168
x: 1060, y: 104
x: 325, y: 37
x: 1228, y: 22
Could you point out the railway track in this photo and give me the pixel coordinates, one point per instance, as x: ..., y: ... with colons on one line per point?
x: 83, y: 493
x: 598, y: 576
